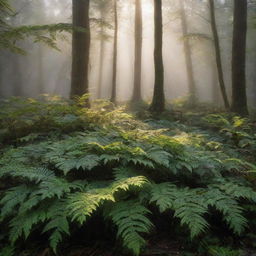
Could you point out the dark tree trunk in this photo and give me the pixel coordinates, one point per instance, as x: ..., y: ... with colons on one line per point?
x: 102, y: 53
x: 80, y: 48
x: 188, y: 57
x: 158, y: 102
x: 113, y: 93
x: 216, y: 97
x: 218, y: 54
x: 138, y: 52
x: 239, y: 99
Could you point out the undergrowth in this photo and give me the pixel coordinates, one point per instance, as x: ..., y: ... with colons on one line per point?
x: 63, y: 164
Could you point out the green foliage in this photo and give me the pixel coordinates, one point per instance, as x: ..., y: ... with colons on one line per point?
x: 131, y: 220
x: 46, y: 34
x: 191, y: 206
x: 10, y: 36
x: 65, y: 164
x: 238, y: 130
x: 223, y: 251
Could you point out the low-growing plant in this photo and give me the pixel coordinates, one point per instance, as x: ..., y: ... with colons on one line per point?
x: 124, y: 174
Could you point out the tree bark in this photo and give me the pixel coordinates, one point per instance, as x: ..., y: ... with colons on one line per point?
x: 114, y: 87
x: 218, y: 54
x: 158, y: 102
x: 80, y: 48
x: 138, y: 52
x: 239, y: 99
x: 188, y: 57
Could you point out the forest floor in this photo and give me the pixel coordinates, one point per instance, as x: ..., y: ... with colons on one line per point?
x: 190, y: 153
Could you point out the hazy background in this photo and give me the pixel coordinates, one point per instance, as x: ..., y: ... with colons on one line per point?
x: 45, y: 70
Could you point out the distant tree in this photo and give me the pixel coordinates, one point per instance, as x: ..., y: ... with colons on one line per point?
x: 158, y: 102
x: 218, y: 54
x: 188, y: 56
x: 102, y: 6
x: 80, y: 48
x: 239, y: 98
x: 114, y: 85
x: 138, y: 52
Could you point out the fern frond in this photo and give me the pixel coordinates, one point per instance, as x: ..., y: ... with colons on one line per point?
x: 236, y: 191
x: 187, y: 205
x: 26, y: 172
x: 232, y: 212
x: 12, y: 198
x: 7, y: 251
x: 22, y: 224
x: 82, y: 204
x: 163, y: 195
x: 160, y: 157
x: 57, y: 187
x: 58, y: 223
x: 190, y: 208
x: 131, y: 220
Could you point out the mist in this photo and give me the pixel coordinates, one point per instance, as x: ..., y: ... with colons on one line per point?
x: 43, y: 70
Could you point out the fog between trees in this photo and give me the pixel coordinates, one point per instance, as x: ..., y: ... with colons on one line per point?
x: 188, y: 50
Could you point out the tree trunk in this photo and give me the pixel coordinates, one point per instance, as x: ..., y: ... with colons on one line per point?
x: 138, y: 52
x: 218, y: 54
x: 216, y: 97
x: 102, y: 53
x: 239, y: 99
x: 113, y: 93
x: 188, y: 57
x: 80, y: 48
x: 158, y: 102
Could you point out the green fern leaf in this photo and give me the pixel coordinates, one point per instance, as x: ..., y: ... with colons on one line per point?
x: 160, y: 157
x: 23, y: 223
x: 130, y: 218
x: 232, y: 212
x: 14, y: 197
x: 58, y: 223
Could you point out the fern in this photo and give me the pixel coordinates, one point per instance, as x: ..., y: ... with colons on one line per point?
x: 232, y: 212
x: 7, y: 251
x: 68, y: 163
x: 22, y: 224
x: 131, y: 220
x: 222, y: 251
x: 235, y: 190
x: 27, y: 172
x: 12, y: 198
x: 190, y: 205
x: 83, y: 204
x: 187, y: 205
x: 58, y: 224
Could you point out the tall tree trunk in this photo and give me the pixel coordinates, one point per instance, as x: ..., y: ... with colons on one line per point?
x: 218, y: 54
x: 102, y: 53
x: 114, y: 87
x: 158, y: 102
x: 188, y: 57
x: 80, y: 48
x: 216, y: 97
x: 239, y: 99
x: 138, y: 52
